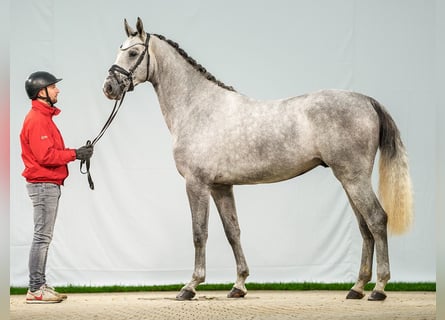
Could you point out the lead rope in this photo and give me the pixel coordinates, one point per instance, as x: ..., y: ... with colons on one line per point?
x: 113, y: 113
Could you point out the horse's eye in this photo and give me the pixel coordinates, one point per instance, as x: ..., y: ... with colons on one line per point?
x: 133, y: 53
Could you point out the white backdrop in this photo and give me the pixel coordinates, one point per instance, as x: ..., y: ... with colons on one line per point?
x: 135, y: 228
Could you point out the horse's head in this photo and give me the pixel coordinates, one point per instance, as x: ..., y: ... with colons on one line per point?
x: 132, y: 63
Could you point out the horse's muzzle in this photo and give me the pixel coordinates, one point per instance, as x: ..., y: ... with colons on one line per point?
x: 112, y: 88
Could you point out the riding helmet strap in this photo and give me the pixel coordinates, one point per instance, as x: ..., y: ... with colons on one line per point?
x: 47, y: 98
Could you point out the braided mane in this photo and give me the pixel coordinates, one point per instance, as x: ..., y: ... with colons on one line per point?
x: 195, y: 64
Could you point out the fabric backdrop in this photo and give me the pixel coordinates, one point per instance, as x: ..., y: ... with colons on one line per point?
x: 135, y: 228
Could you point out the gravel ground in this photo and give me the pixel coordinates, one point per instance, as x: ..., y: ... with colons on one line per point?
x: 214, y: 305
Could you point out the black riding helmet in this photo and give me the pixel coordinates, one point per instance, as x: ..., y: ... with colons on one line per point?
x: 38, y: 81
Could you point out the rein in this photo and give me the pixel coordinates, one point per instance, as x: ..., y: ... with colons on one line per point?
x: 110, y: 119
x: 126, y: 85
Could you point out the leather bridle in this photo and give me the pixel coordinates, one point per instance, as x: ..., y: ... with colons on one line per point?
x: 126, y: 85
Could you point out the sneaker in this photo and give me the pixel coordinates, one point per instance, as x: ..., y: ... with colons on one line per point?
x: 62, y: 295
x: 42, y: 295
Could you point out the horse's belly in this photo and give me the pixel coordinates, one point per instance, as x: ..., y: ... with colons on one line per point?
x: 256, y: 173
x: 245, y: 161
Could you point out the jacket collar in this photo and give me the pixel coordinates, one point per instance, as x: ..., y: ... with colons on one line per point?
x: 44, y: 108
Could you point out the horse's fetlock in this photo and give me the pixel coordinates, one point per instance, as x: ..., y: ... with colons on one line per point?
x: 199, y: 278
x: 244, y: 273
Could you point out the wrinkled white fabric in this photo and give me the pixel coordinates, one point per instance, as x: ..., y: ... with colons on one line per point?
x: 135, y: 227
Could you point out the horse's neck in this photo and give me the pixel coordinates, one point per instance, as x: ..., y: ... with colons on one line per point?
x: 178, y: 85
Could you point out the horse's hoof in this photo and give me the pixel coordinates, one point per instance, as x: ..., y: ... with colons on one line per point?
x: 377, y: 296
x: 185, y: 294
x: 354, y: 295
x: 236, y: 293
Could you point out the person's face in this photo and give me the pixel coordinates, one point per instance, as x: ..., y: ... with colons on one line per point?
x: 53, y: 91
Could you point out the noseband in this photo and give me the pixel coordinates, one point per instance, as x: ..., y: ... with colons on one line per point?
x: 127, y: 84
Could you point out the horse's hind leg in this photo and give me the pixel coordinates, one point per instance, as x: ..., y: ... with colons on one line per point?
x: 198, y: 195
x: 224, y: 200
x: 372, y: 214
x: 365, y: 273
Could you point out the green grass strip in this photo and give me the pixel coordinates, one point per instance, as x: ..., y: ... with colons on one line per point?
x: 392, y: 286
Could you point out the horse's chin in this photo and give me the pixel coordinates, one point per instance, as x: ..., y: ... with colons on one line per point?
x: 112, y: 96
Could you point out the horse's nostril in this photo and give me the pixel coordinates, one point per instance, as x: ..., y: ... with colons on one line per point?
x: 108, y: 88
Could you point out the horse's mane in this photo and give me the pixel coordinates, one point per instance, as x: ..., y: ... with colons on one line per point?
x: 195, y: 64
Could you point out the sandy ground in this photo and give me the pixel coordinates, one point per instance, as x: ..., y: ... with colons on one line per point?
x: 214, y: 305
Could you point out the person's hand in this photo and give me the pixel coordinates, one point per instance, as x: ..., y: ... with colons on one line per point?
x: 84, y: 152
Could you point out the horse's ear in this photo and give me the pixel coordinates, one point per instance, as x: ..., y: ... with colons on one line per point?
x: 128, y: 29
x: 140, y: 27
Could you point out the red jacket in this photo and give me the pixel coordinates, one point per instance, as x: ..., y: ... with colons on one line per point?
x: 43, y: 150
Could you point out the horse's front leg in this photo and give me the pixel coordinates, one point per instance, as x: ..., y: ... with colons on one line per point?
x: 198, y: 195
x: 224, y: 200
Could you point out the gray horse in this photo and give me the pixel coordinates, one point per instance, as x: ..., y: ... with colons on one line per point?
x: 222, y: 138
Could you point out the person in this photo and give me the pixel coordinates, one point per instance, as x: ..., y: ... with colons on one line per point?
x: 45, y: 158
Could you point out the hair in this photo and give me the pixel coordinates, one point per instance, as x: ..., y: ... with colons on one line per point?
x: 195, y: 64
x: 395, y: 189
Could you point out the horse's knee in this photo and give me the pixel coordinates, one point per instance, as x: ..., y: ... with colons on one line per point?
x: 199, y: 240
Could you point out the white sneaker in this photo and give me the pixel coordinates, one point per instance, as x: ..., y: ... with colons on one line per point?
x: 43, y: 295
x: 62, y: 295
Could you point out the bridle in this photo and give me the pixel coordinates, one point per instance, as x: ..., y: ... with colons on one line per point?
x: 129, y: 74
x: 126, y: 85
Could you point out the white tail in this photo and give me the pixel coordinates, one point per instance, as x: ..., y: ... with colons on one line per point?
x: 395, y: 190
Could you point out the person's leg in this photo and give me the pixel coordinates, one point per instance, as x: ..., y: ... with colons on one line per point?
x: 45, y: 199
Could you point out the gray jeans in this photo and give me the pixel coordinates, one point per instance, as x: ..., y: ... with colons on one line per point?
x: 45, y: 200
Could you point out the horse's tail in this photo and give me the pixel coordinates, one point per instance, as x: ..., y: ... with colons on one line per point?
x: 395, y: 191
